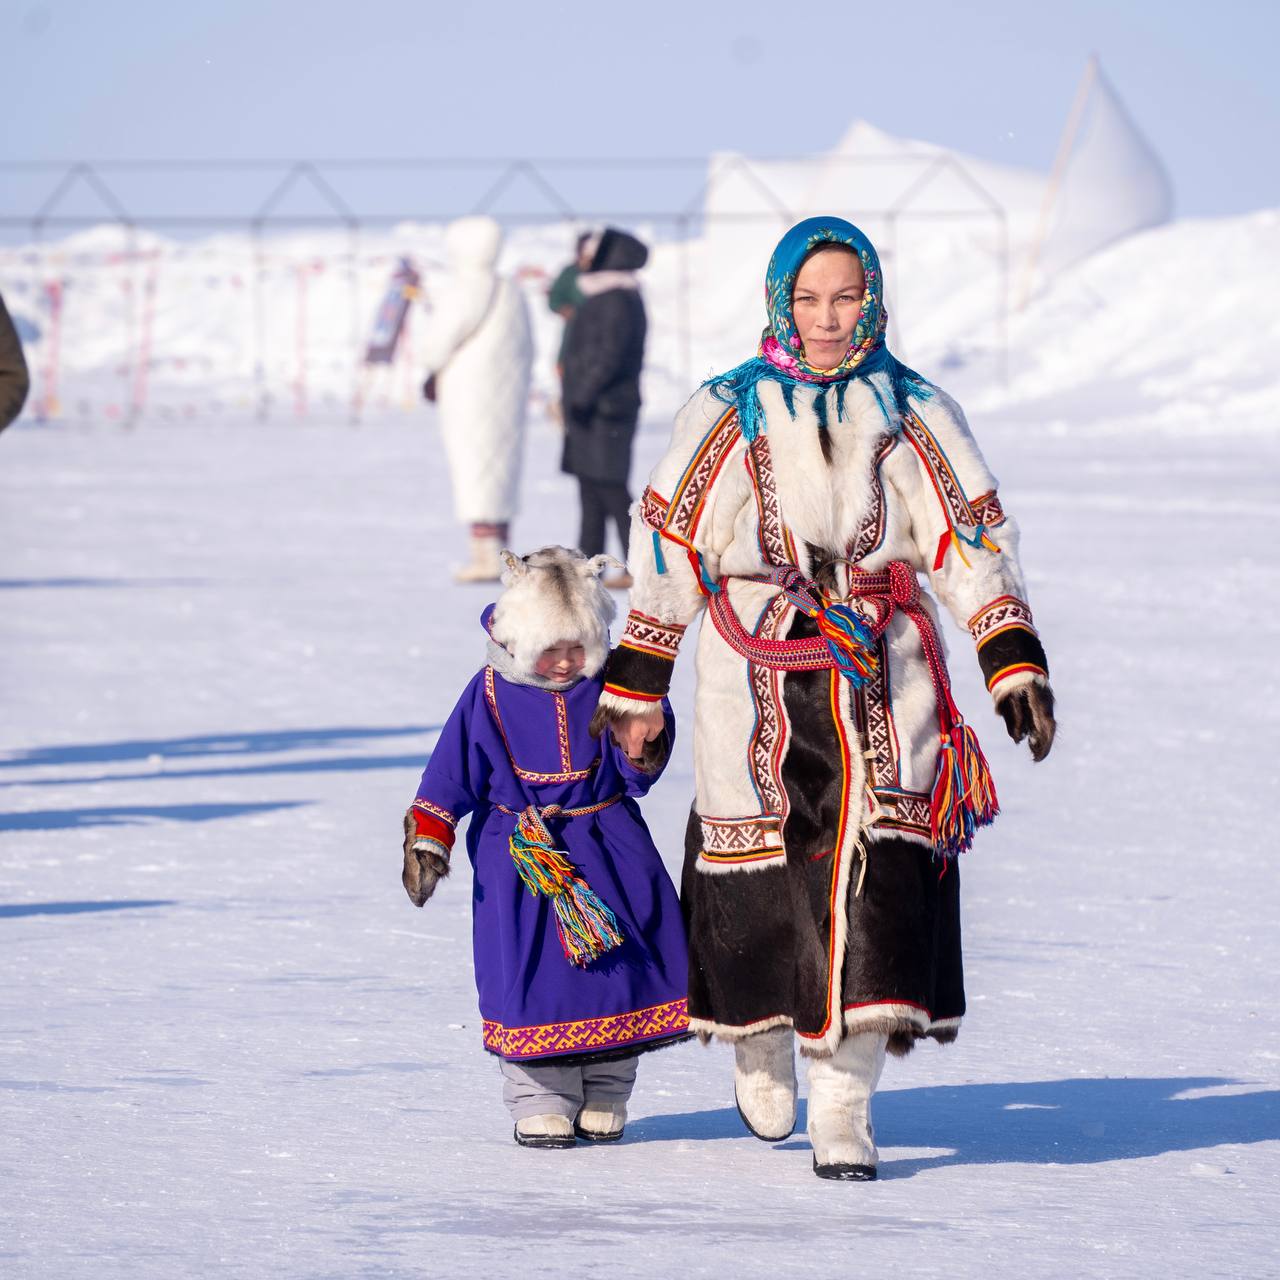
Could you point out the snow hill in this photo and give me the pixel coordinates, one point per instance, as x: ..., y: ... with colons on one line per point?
x: 1176, y: 325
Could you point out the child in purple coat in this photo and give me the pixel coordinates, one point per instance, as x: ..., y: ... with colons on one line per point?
x: 579, y: 948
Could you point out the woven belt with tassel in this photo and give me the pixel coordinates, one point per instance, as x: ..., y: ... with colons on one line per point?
x: 586, y: 927
x: 964, y: 795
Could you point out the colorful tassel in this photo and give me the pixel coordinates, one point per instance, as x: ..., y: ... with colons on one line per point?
x: 964, y: 793
x: 587, y: 928
x: 851, y: 643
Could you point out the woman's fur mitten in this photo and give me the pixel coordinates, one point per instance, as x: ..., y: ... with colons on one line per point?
x: 652, y: 756
x: 426, y: 862
x: 1028, y: 713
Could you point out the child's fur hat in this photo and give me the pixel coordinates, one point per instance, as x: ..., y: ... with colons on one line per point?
x: 551, y: 596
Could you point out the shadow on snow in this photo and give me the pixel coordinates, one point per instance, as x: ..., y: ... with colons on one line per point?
x: 129, y: 815
x: 12, y: 910
x: 1076, y: 1121
x: 212, y: 744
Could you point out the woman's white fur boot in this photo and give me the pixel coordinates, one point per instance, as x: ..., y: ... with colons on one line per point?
x: 764, y: 1082
x: 601, y: 1121
x: 545, y: 1131
x: 840, y: 1089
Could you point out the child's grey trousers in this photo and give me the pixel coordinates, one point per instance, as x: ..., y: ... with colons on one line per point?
x: 546, y: 1089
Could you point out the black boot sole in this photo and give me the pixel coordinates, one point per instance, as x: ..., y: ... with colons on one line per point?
x: 545, y: 1143
x: 755, y: 1133
x: 845, y: 1172
x: 588, y: 1136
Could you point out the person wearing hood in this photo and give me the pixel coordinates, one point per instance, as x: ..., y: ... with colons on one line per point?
x: 603, y: 356
x: 805, y: 495
x: 478, y: 353
x: 14, y: 379
x: 580, y: 958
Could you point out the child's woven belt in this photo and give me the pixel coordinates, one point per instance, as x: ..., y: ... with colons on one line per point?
x: 539, y: 815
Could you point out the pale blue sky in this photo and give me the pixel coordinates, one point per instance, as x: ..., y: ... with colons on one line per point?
x: 117, y: 79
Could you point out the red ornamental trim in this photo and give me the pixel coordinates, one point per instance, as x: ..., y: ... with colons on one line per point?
x: 955, y: 505
x: 907, y: 811
x: 589, y: 1034
x: 1015, y: 669
x: 427, y: 826
x: 618, y: 691
x: 988, y: 511
x: 649, y: 635
x: 835, y: 906
x: 436, y: 811
x: 734, y: 838
x: 653, y: 508
x: 768, y: 739
x: 568, y: 774
x: 871, y: 532
x: 877, y: 718
x: 776, y: 544
x: 689, y: 498
x: 998, y: 615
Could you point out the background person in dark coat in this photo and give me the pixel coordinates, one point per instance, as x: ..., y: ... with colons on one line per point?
x: 604, y: 352
x: 14, y: 380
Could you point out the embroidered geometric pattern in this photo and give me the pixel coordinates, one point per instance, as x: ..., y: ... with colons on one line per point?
x: 948, y: 488
x: 653, y: 508
x: 905, y: 811
x: 988, y: 511
x: 590, y: 1034
x: 649, y: 635
x: 877, y: 723
x: 691, y: 493
x: 999, y: 615
x: 871, y: 532
x: 568, y: 773
x: 436, y: 811
x: 776, y: 546
x: 766, y: 748
x: 736, y: 840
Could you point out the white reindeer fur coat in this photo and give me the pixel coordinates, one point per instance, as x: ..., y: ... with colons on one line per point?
x: 478, y: 344
x: 891, y: 490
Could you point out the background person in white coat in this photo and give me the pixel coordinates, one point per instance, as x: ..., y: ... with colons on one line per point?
x: 479, y: 355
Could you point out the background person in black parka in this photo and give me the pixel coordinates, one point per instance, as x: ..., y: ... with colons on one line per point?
x: 603, y: 355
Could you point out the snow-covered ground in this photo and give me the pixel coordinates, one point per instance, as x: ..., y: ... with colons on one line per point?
x: 232, y: 1047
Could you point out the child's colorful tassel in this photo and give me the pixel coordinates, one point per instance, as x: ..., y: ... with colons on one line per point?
x: 587, y: 928
x: 851, y: 643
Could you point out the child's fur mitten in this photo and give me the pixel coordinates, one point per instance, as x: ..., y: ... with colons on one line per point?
x: 1028, y: 713
x: 426, y: 862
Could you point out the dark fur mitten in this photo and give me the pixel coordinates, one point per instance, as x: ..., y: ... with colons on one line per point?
x: 654, y: 753
x: 1028, y: 713
x: 426, y: 863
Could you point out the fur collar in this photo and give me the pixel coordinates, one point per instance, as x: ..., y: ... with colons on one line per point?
x: 504, y: 663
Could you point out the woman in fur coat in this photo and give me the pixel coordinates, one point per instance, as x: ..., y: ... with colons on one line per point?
x: 479, y: 353
x: 804, y: 495
x: 580, y: 958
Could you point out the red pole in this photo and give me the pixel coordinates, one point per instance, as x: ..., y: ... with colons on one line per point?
x: 49, y: 397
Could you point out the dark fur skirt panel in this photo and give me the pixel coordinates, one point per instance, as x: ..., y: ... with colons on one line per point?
x: 903, y: 944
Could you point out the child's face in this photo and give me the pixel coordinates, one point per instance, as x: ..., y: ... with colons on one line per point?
x: 561, y: 662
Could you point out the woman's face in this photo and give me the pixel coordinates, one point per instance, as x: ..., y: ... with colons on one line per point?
x: 825, y: 303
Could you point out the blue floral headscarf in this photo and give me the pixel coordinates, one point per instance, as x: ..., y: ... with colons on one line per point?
x: 780, y: 357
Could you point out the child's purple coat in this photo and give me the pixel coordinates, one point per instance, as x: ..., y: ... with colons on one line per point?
x: 513, y: 745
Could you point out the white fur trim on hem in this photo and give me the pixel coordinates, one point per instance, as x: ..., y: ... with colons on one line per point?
x: 705, y: 1028
x: 886, y: 1018
x: 726, y: 867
